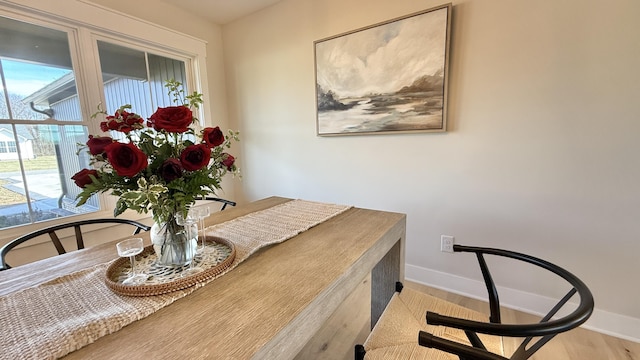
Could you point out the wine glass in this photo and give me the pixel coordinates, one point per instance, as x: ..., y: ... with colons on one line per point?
x: 189, y: 222
x: 202, y: 213
x: 130, y: 248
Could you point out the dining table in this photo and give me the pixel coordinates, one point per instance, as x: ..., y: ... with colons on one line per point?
x: 269, y: 306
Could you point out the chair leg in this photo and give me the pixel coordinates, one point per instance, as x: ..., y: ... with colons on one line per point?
x: 359, y: 352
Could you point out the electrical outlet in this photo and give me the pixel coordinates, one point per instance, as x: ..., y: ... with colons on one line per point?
x: 446, y: 243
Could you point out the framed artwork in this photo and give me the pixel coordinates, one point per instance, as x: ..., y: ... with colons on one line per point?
x: 385, y: 78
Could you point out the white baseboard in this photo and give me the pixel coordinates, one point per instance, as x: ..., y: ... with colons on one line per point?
x: 621, y: 326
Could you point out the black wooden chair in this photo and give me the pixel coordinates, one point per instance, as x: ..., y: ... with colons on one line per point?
x: 220, y: 200
x: 51, y: 231
x: 454, y: 332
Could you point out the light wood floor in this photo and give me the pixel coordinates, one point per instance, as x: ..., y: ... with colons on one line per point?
x: 577, y: 344
x: 350, y: 325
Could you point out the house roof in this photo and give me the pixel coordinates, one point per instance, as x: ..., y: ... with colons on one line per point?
x: 59, y: 89
x: 6, y: 134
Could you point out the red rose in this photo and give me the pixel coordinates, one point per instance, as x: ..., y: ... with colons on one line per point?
x: 82, y: 178
x: 126, y: 159
x: 175, y: 119
x: 195, y: 157
x: 122, y: 121
x: 170, y: 169
x: 228, y: 160
x: 97, y: 144
x: 213, y: 136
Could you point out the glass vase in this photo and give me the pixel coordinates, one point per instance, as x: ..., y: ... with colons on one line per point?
x: 175, y: 245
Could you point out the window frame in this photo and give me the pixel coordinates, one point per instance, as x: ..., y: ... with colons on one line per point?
x: 86, y: 23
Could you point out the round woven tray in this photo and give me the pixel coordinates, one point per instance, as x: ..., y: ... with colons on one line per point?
x: 217, y: 259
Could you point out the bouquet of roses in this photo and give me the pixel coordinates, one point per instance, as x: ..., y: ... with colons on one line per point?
x: 162, y: 167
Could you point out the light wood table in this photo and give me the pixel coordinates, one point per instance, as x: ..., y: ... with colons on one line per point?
x: 268, y: 307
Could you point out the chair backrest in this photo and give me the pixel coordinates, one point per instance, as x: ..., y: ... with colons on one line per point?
x: 51, y: 231
x: 223, y: 201
x: 543, y: 331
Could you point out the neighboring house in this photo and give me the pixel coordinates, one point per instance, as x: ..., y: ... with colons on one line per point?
x: 8, y: 148
x: 61, y: 98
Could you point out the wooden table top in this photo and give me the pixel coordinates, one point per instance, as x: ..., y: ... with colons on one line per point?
x: 268, y: 307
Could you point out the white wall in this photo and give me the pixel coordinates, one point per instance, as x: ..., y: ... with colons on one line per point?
x: 541, y: 155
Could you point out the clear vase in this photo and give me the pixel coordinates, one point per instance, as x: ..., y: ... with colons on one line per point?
x: 175, y: 245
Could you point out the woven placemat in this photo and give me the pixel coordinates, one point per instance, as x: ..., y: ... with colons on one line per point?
x: 163, y: 280
x: 57, y: 317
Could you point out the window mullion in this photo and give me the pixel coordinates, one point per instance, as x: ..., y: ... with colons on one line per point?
x: 89, y: 79
x: 90, y: 89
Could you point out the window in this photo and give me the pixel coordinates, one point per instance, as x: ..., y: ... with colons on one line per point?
x: 34, y: 60
x: 43, y: 116
x: 137, y: 78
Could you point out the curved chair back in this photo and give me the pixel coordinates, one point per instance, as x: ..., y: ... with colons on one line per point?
x: 543, y: 331
x: 51, y: 231
x: 220, y: 200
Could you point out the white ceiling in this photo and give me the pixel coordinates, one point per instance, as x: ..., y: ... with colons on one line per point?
x: 222, y: 11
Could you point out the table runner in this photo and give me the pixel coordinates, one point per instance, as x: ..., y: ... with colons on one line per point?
x: 54, y: 318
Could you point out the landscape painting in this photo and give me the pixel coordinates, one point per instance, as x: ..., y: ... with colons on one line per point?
x: 386, y: 78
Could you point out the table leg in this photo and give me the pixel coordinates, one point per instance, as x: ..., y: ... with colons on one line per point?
x: 383, y: 281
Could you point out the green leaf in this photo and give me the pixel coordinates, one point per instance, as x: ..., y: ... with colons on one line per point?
x: 131, y: 195
x: 121, y: 206
x: 157, y: 188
